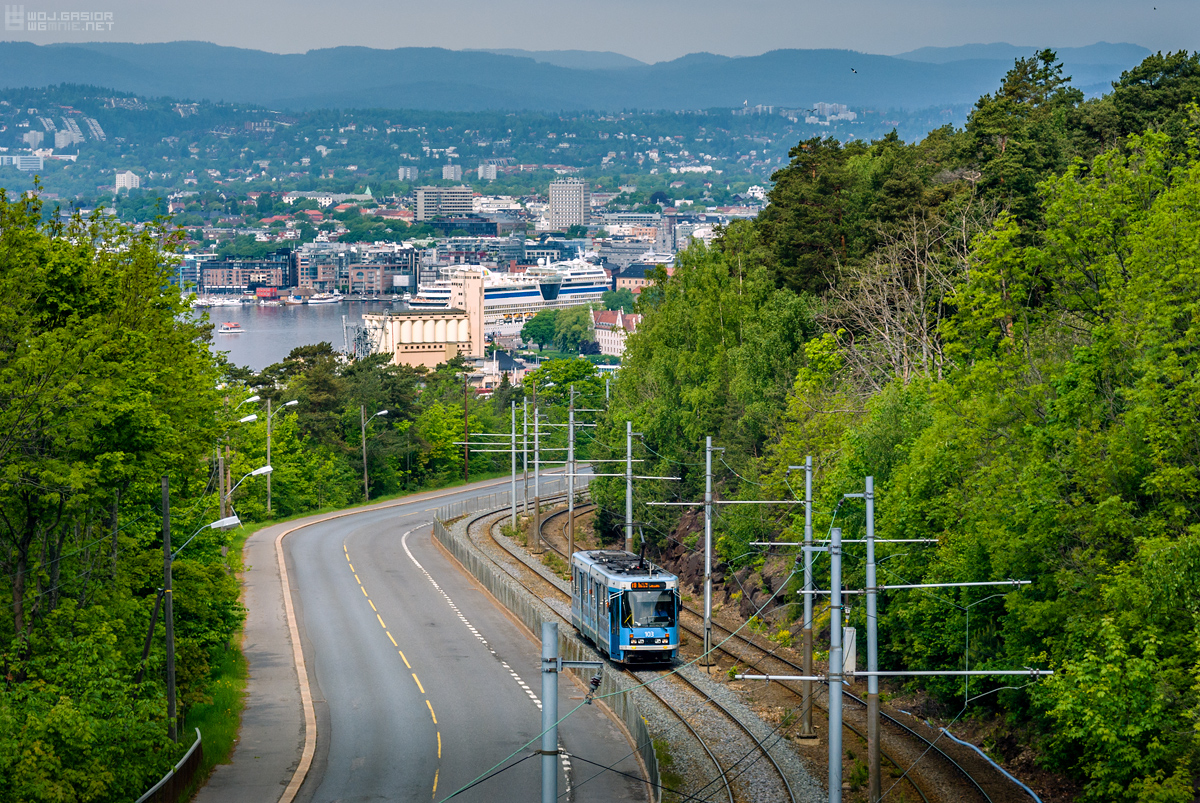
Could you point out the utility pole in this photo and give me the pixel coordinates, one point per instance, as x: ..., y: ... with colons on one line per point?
x: 221, y: 480
x: 874, y: 785
x: 268, y: 456
x: 628, y: 486
x: 513, y: 495
x: 168, y: 618
x: 571, y: 476
x: 362, y: 414
x: 836, y: 663
x: 466, y: 432
x: 606, y: 380
x: 706, y: 656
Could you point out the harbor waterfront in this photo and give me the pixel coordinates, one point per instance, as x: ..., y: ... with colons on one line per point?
x: 271, y: 332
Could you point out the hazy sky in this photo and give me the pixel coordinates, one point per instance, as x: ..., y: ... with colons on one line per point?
x: 650, y: 30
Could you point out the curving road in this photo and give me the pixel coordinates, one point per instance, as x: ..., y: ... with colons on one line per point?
x: 421, y: 682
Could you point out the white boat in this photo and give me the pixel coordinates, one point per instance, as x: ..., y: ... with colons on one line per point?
x: 510, y: 299
x: 325, y: 298
x: 230, y: 328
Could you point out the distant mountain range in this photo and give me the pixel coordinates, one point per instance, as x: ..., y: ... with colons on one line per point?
x: 562, y: 80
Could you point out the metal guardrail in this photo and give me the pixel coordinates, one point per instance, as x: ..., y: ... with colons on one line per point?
x: 532, y: 612
x: 172, y: 785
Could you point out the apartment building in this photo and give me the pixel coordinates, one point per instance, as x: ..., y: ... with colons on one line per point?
x: 443, y: 202
x: 570, y: 203
x: 127, y: 180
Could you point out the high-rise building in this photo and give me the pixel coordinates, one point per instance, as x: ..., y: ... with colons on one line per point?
x: 451, y: 172
x: 127, y: 181
x: 570, y: 203
x: 407, y: 174
x: 442, y: 202
x: 487, y: 172
x: 33, y: 139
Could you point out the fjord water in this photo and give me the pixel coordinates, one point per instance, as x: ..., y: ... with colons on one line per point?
x: 272, y: 332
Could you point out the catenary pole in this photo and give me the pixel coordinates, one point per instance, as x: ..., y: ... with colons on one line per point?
x: 571, y: 476
x: 628, y: 486
x: 525, y: 455
x: 168, y: 617
x: 706, y: 659
x: 836, y: 663
x: 537, y: 492
x: 806, y: 726
x: 874, y: 785
x: 549, y: 749
x: 513, y: 494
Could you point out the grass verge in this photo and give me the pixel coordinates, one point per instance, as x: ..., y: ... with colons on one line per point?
x: 220, y: 719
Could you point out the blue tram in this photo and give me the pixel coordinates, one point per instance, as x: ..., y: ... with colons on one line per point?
x: 625, y: 605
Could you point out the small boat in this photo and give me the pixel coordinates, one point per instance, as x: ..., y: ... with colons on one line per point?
x: 294, y: 300
x: 325, y: 298
x: 230, y: 328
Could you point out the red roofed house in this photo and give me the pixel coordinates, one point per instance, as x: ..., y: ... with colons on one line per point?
x: 611, y: 327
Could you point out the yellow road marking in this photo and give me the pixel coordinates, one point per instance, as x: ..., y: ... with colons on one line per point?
x: 365, y: 594
x: 351, y: 565
x: 435, y: 772
x: 418, y: 680
x: 431, y: 711
x: 372, y: 605
x: 356, y: 578
x: 402, y: 658
x: 439, y: 733
x: 389, y: 635
x: 381, y: 624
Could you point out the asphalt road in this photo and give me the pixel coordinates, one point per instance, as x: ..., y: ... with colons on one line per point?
x: 422, y: 684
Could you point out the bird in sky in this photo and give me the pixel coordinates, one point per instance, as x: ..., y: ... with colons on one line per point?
x: 854, y: 71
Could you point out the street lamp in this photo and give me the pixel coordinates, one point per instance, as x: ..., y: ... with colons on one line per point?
x: 228, y: 497
x: 225, y: 523
x: 270, y: 416
x: 363, y: 417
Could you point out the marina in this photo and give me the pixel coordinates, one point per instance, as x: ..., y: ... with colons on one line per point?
x: 267, y: 334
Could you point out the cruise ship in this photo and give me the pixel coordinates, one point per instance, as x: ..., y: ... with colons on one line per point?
x: 510, y: 299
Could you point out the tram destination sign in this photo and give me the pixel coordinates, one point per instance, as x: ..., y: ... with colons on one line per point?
x: 643, y: 584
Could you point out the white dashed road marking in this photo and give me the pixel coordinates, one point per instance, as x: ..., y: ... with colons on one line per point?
x: 566, y: 759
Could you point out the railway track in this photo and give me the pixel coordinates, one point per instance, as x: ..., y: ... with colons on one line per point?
x: 738, y: 782
x: 785, y: 666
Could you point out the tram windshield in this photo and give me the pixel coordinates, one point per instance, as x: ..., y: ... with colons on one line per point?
x: 649, y: 609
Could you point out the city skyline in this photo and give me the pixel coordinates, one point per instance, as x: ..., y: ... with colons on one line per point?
x: 637, y: 31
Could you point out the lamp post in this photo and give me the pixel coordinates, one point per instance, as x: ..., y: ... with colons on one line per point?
x: 363, y: 417
x: 223, y: 449
x: 224, y: 523
x: 223, y: 478
x: 270, y: 416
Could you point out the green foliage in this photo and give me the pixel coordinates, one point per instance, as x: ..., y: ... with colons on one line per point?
x: 540, y: 328
x: 622, y: 299
x: 572, y: 328
x: 1000, y: 326
x: 107, y: 385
